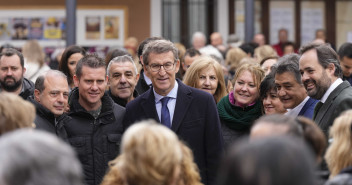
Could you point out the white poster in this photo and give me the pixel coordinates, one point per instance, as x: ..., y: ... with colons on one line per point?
x: 311, y: 20
x: 281, y: 17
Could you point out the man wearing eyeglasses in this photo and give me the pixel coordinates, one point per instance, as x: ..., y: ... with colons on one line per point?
x: 50, y: 99
x: 189, y: 112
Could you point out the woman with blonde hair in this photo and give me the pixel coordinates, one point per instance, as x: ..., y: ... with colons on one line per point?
x: 15, y: 113
x: 338, y: 155
x: 34, y: 60
x: 151, y: 154
x: 262, y: 52
x: 206, y: 74
x: 233, y: 58
x: 242, y: 106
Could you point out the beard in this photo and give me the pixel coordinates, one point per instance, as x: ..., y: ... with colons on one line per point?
x: 9, y: 86
x: 321, y: 86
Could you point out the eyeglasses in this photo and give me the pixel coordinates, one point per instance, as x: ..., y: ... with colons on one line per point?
x: 167, y: 66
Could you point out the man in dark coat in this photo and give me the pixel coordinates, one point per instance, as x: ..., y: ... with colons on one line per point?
x: 95, y: 124
x: 189, y: 112
x: 11, y: 74
x: 321, y: 76
x: 50, y: 100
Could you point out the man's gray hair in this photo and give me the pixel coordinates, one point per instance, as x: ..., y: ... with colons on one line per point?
x: 159, y: 47
x: 122, y: 59
x: 39, y: 83
x: 32, y: 157
x: 200, y: 35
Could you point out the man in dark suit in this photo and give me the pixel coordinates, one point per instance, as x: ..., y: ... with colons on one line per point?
x: 321, y: 76
x: 189, y: 112
x: 290, y: 88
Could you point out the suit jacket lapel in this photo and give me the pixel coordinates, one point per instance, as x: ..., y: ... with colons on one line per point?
x: 329, y: 101
x: 183, y: 101
x: 149, y: 105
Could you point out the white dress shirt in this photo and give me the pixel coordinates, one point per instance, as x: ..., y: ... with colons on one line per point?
x: 170, y: 104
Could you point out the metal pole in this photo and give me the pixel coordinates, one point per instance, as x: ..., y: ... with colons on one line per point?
x: 249, y: 20
x: 71, y: 22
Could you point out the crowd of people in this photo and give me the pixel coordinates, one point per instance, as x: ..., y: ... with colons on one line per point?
x: 159, y: 113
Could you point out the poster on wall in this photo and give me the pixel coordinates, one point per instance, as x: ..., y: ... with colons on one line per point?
x: 5, y: 33
x: 94, y: 27
x: 101, y: 27
x: 281, y: 17
x: 111, y: 27
x: 312, y: 19
x: 92, y: 24
x: 36, y: 25
x: 44, y: 25
x: 19, y: 28
x: 52, y: 28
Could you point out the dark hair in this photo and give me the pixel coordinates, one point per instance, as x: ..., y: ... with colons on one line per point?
x: 159, y: 46
x: 6, y: 46
x: 289, y: 63
x: 294, y: 129
x: 326, y: 55
x: 90, y: 60
x: 115, y: 53
x: 64, y: 60
x: 12, y: 51
x: 267, y: 85
x: 288, y: 43
x: 249, y: 47
x: 269, y: 161
x: 192, y: 52
x: 143, y: 43
x: 345, y: 50
x: 268, y: 58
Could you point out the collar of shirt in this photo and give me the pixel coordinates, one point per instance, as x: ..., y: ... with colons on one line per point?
x: 147, y: 79
x: 295, y: 111
x: 170, y: 105
x: 172, y: 94
x: 331, y: 88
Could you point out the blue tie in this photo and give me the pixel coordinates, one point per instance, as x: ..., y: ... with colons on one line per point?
x: 165, y: 115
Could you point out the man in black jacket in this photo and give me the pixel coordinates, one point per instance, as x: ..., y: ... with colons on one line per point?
x: 95, y: 124
x: 11, y: 74
x: 50, y: 100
